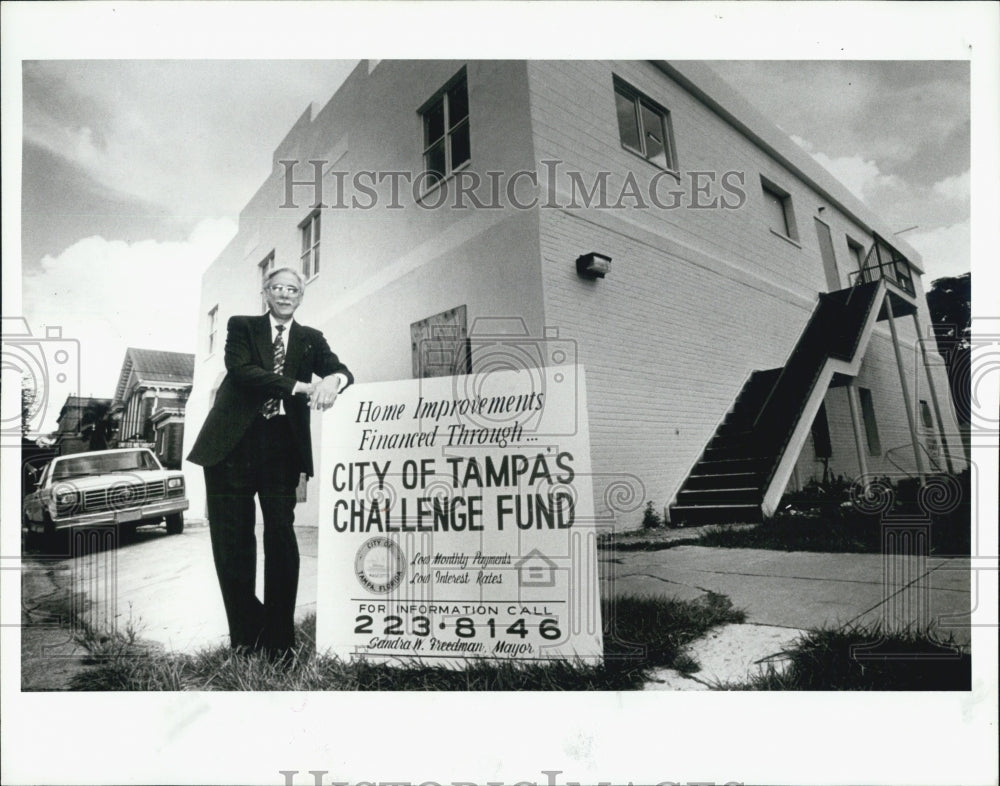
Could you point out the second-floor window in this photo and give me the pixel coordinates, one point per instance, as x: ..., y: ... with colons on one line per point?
x: 778, y: 206
x: 857, y: 253
x: 213, y: 328
x: 310, y: 246
x: 644, y: 127
x: 446, y: 130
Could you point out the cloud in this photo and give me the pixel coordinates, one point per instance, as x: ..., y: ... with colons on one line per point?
x: 945, y: 250
x: 860, y: 175
x: 939, y: 211
x: 192, y: 137
x: 956, y: 187
x: 110, y: 295
x: 909, y: 116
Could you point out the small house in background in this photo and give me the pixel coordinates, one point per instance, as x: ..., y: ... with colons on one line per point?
x: 152, y: 392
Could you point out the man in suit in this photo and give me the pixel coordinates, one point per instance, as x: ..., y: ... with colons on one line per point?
x: 256, y: 441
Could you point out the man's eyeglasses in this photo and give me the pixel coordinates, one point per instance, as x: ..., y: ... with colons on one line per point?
x: 279, y: 289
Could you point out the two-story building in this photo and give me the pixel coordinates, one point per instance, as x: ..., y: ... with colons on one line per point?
x: 744, y: 322
x: 77, y: 421
x: 152, y: 393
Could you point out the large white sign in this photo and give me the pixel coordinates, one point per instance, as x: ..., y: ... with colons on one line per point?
x: 456, y: 521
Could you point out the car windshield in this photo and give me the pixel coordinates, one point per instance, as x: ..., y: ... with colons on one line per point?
x: 102, y: 464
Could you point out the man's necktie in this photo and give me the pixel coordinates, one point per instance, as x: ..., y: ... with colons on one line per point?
x: 270, y: 408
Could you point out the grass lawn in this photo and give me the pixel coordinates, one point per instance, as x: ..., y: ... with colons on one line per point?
x: 867, y: 658
x: 831, y: 530
x: 640, y: 634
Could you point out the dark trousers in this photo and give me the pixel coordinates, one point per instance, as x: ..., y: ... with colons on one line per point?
x: 264, y: 463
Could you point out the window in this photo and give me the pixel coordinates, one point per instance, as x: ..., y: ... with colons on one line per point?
x: 925, y: 415
x: 310, y: 246
x: 440, y: 345
x: 213, y: 327
x: 821, y: 434
x: 265, y: 267
x: 778, y: 206
x: 644, y: 127
x: 446, y: 130
x: 871, y: 427
x: 857, y: 253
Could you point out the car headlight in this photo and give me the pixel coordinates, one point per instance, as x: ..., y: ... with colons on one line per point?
x: 175, y: 483
x: 66, y: 497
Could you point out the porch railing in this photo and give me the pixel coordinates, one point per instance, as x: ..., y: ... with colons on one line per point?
x: 884, y: 261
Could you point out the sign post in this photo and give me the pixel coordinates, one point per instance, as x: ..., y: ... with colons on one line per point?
x: 457, y: 522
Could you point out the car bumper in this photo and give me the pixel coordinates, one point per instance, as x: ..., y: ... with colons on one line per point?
x: 144, y: 514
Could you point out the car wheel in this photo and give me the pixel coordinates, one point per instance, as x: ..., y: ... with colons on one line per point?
x: 175, y: 524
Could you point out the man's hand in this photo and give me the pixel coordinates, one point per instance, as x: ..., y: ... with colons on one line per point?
x: 325, y: 392
x: 306, y: 388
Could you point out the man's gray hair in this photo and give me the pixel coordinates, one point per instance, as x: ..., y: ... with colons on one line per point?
x: 298, y: 276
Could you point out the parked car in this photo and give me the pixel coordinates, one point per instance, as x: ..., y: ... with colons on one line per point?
x: 125, y: 487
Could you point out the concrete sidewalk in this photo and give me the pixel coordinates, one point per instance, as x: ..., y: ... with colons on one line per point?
x: 166, y: 587
x: 784, y: 594
x: 803, y: 590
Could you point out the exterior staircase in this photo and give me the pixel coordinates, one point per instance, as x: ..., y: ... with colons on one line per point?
x: 745, y: 467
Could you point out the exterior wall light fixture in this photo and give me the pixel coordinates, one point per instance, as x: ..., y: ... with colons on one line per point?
x: 593, y: 265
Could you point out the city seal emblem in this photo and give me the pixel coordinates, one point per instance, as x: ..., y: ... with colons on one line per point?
x: 380, y: 565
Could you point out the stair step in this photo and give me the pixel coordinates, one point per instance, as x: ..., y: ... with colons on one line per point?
x: 728, y: 482
x: 730, y: 443
x: 723, y: 480
x: 731, y: 466
x: 714, y: 514
x: 749, y: 495
x: 725, y: 452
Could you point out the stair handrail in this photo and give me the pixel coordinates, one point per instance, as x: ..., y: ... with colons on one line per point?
x: 871, y: 304
x: 765, y: 407
x: 815, y: 314
x: 787, y: 435
x: 887, y: 269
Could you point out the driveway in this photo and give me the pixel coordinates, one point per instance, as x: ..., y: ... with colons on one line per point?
x: 164, y: 586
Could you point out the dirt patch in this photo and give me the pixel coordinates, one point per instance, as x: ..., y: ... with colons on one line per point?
x: 730, y: 654
x: 50, y: 655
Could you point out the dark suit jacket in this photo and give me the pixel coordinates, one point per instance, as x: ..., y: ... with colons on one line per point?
x: 250, y: 381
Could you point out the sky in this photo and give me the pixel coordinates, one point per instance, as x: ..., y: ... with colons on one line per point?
x: 134, y: 173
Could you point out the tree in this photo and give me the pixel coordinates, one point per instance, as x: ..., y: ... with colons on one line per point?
x: 96, y: 419
x: 29, y: 405
x: 950, y: 304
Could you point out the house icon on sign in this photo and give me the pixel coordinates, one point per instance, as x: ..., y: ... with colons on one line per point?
x: 536, y: 570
